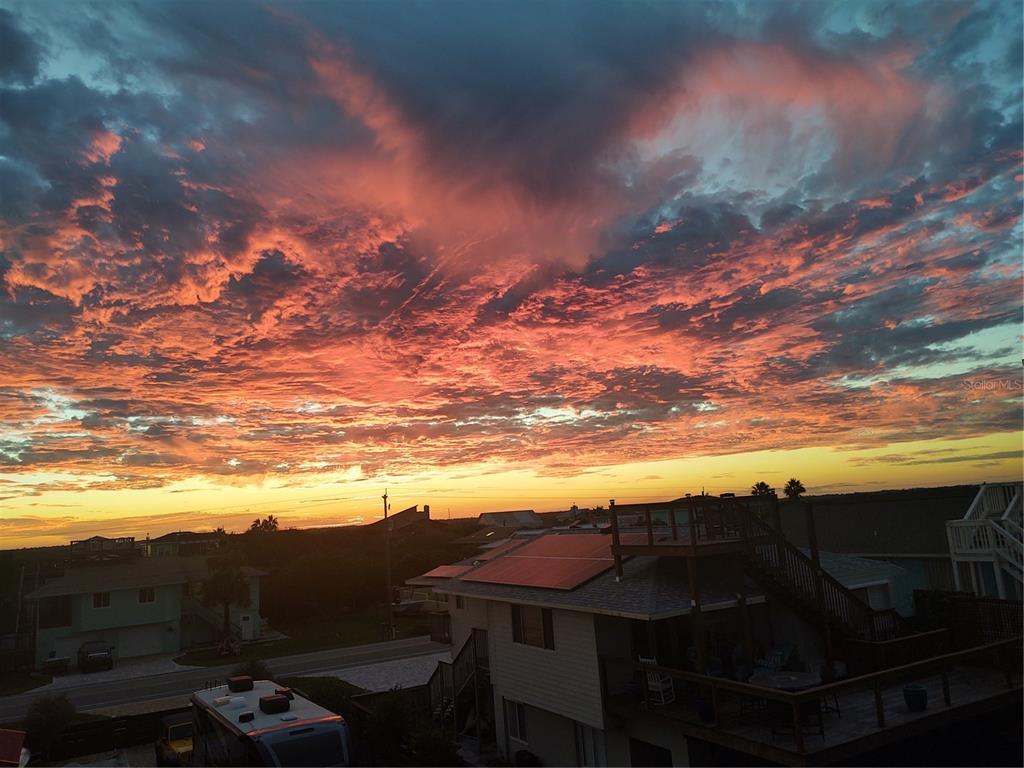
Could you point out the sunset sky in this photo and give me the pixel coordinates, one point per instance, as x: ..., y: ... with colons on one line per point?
x: 273, y: 258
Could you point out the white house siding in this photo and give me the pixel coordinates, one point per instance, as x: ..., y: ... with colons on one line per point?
x: 565, y: 681
x: 473, y: 615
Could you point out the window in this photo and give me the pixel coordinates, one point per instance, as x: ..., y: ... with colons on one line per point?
x: 100, y: 599
x: 147, y: 595
x: 460, y: 601
x: 515, y: 720
x: 532, y: 626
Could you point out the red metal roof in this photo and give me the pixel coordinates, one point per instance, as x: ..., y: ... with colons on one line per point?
x: 447, y: 571
x: 501, y: 549
x: 10, y: 746
x: 551, y: 562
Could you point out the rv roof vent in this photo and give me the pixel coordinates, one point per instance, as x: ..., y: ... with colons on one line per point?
x: 247, y: 717
x: 239, y: 683
x: 274, y: 704
x: 285, y: 692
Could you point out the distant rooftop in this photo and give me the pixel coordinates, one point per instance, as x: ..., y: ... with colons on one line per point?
x: 516, y: 518
x: 143, y: 572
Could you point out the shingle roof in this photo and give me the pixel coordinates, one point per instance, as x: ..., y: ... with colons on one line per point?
x: 655, y: 587
x: 881, y: 523
x: 142, y: 572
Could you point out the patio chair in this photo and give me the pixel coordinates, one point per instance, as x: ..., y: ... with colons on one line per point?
x: 774, y: 660
x: 659, y: 685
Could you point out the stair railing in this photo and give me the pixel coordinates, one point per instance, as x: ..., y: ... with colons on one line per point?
x: 770, y: 549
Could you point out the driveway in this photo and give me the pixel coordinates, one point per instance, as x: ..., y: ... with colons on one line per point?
x: 89, y: 695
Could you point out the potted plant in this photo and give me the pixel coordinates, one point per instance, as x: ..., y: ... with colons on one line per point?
x: 916, y: 697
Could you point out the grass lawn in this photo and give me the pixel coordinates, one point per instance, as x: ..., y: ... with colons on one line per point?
x: 19, y: 682
x: 355, y: 629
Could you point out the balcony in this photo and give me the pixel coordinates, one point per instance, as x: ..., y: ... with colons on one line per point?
x: 827, y: 722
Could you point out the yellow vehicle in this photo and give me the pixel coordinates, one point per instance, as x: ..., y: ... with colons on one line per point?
x: 174, y: 746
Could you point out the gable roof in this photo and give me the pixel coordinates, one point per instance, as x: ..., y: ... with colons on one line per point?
x: 906, y: 523
x: 526, y: 518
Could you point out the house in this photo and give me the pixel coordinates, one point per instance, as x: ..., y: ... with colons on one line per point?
x: 102, y: 548
x: 909, y: 528
x: 658, y: 645
x: 986, y: 546
x: 146, y: 606
x: 407, y: 517
x: 182, y: 543
x: 519, y: 518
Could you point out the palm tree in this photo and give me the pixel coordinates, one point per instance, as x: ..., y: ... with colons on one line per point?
x: 270, y: 524
x: 761, y: 488
x: 794, y: 488
x: 226, y: 586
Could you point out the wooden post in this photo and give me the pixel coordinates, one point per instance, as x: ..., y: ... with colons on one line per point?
x: 879, y: 709
x: 819, y: 598
x: 696, y: 617
x: 615, y: 540
x: 650, y: 529
x: 798, y: 727
x: 744, y: 609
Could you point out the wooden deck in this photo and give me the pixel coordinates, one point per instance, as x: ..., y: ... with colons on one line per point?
x: 852, y: 731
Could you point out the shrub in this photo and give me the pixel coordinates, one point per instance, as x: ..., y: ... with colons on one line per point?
x: 47, y: 719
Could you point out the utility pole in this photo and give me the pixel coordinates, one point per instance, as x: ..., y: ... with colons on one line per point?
x: 390, y: 631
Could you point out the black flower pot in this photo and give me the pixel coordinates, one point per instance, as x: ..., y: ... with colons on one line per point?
x: 916, y: 697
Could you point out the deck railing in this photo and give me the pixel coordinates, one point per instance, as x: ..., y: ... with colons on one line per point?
x: 1004, y: 655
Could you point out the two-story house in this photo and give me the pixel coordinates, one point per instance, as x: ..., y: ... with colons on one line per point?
x: 143, y: 606
x: 590, y: 648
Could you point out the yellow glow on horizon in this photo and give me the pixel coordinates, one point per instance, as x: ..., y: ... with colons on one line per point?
x: 56, y: 516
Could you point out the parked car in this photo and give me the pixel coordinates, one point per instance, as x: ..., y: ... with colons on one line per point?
x: 95, y: 654
x: 174, y: 745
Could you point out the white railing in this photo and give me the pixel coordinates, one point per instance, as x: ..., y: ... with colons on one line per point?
x: 993, y: 500
x: 1008, y: 546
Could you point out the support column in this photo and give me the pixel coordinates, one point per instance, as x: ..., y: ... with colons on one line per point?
x: 826, y: 631
x: 696, y: 617
x: 615, y: 539
x: 1000, y: 586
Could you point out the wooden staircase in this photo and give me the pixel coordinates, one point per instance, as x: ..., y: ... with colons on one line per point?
x: 462, y: 685
x: 793, y: 577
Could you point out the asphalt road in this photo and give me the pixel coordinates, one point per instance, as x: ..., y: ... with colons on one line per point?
x: 99, y: 695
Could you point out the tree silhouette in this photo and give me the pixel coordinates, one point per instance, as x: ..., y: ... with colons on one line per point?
x: 761, y: 488
x: 266, y: 525
x: 794, y: 488
x: 226, y: 586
